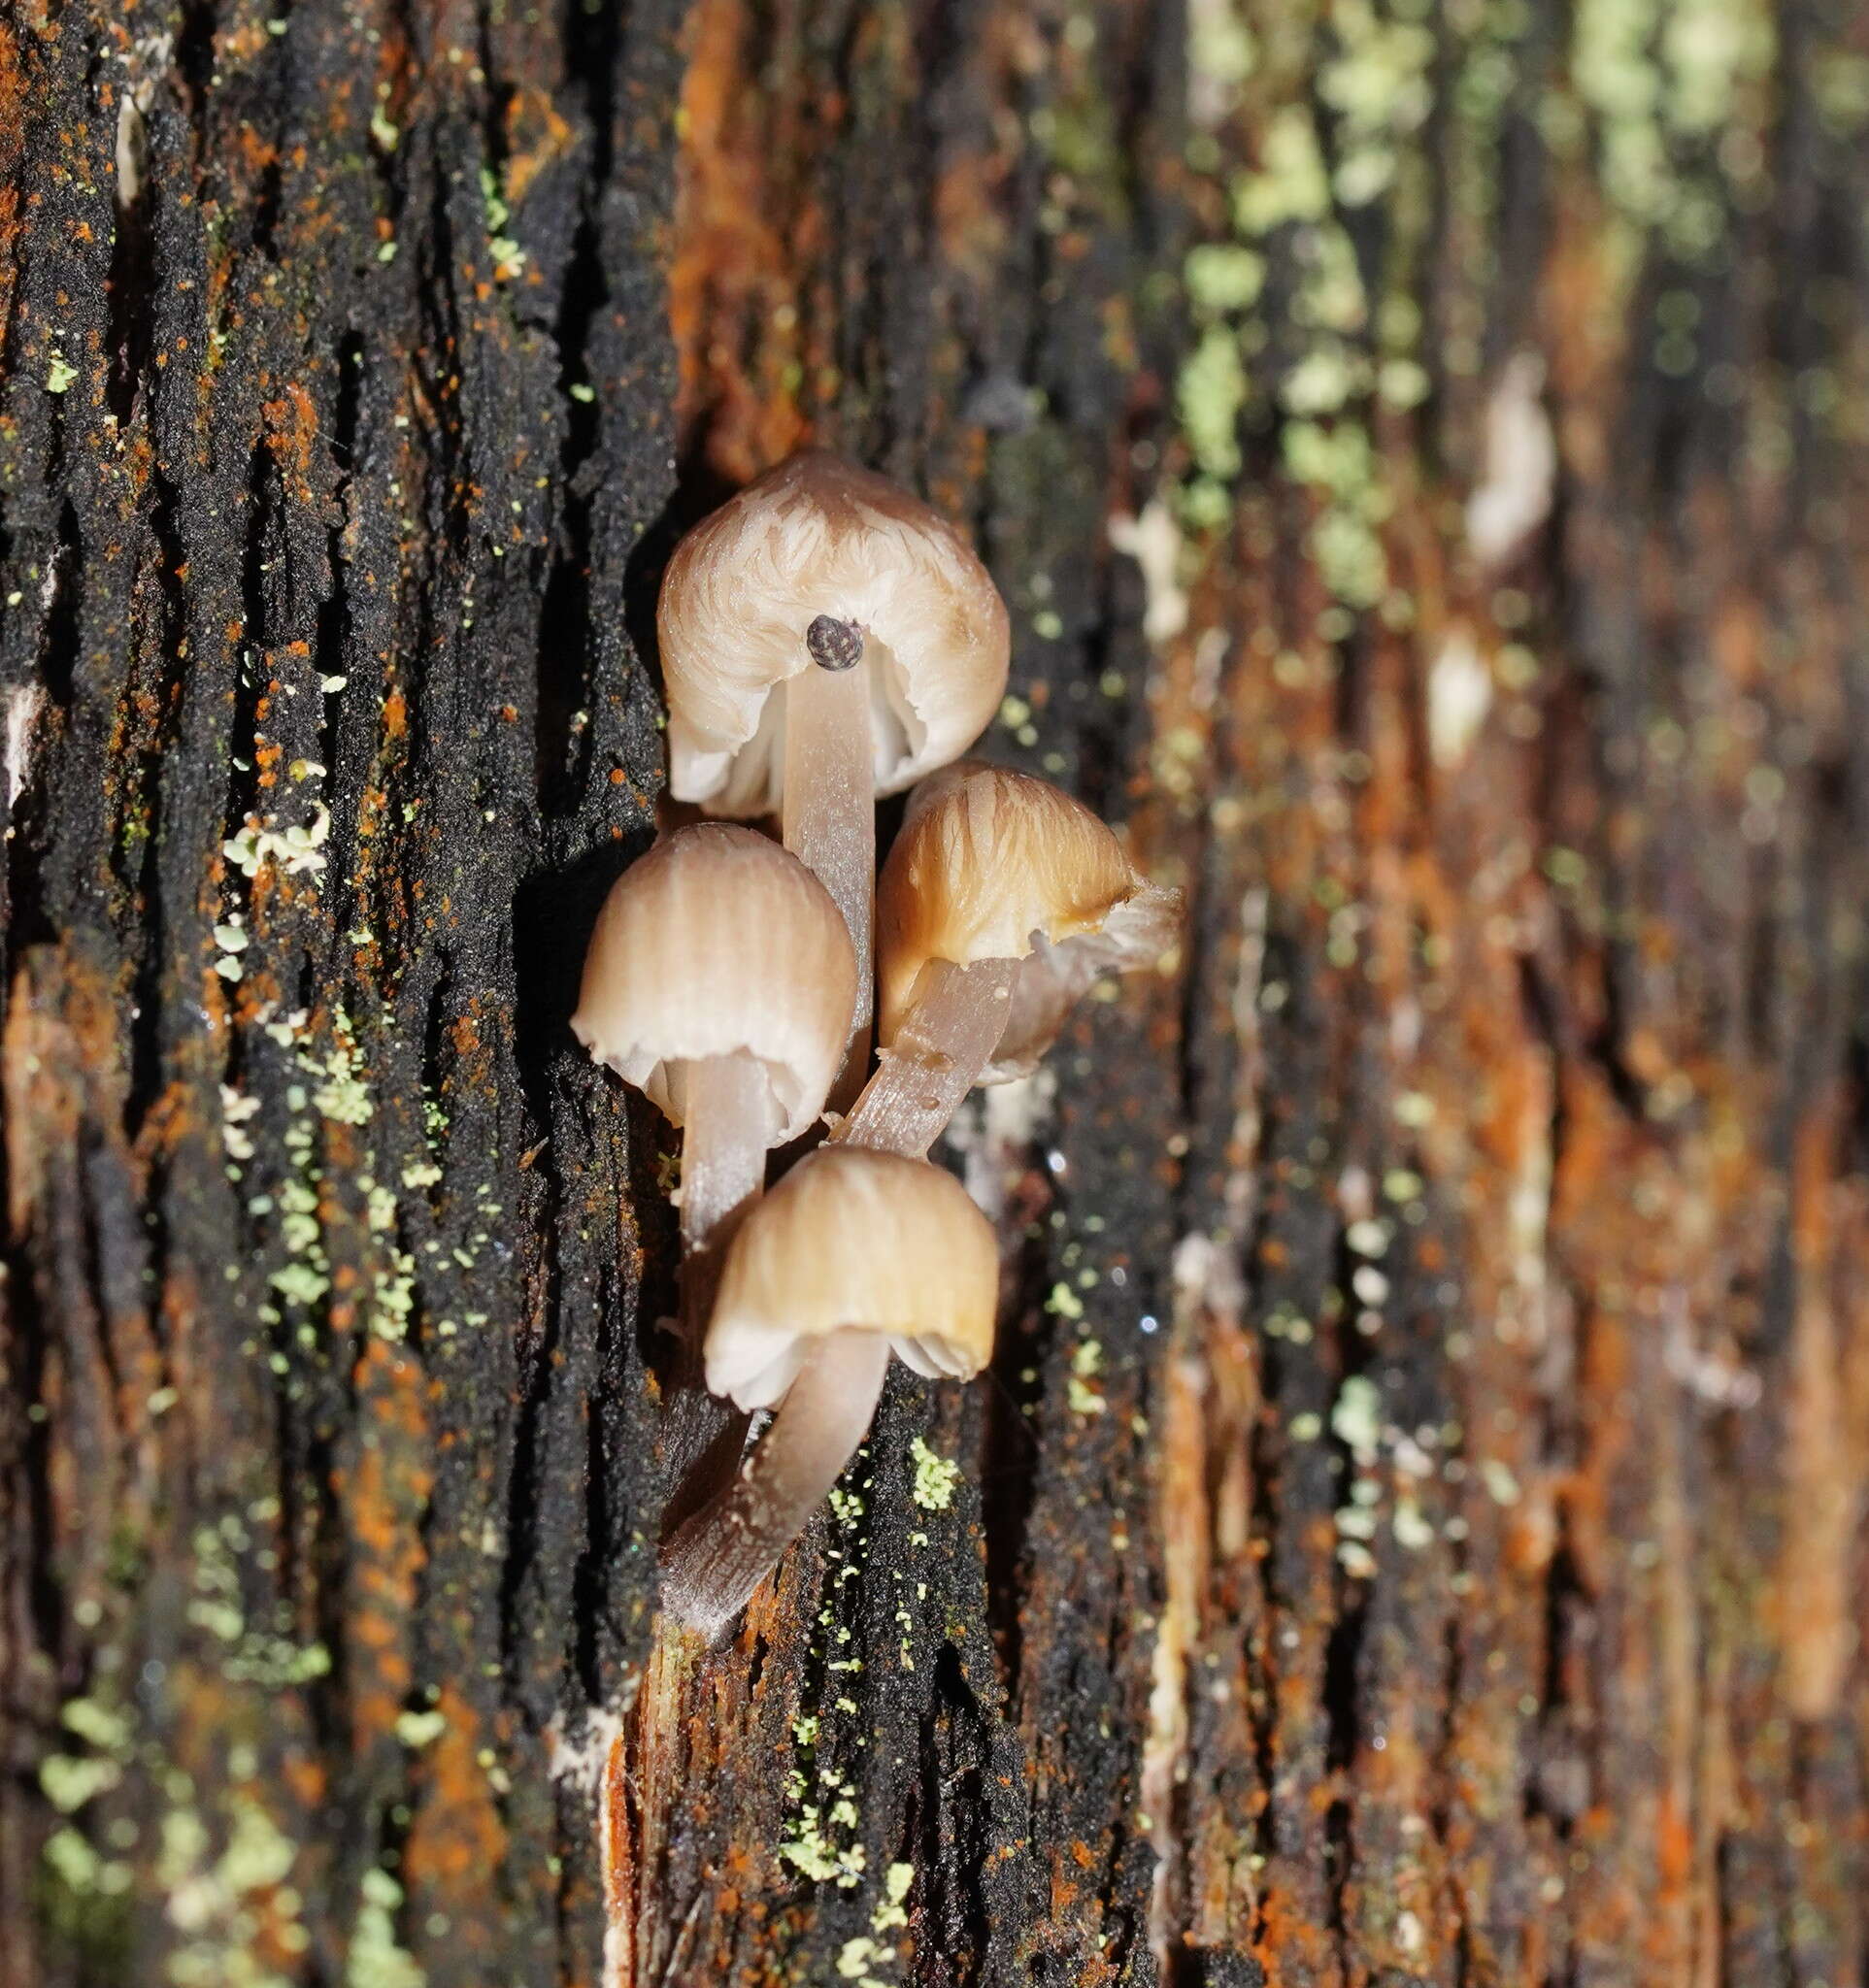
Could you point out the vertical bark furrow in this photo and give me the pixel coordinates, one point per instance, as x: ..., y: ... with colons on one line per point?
x: 1414, y: 1527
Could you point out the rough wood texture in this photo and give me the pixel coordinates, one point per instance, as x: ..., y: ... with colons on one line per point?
x: 1413, y: 1532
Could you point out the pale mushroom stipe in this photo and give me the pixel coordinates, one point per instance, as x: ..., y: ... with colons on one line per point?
x: 1002, y: 900
x: 825, y: 637
x: 853, y: 1255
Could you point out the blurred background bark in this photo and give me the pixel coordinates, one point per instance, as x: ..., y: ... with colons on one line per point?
x: 1413, y: 1532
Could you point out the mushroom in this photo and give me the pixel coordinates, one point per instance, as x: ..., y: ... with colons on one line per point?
x: 825, y: 638
x: 1002, y: 900
x: 720, y: 981
x: 853, y: 1255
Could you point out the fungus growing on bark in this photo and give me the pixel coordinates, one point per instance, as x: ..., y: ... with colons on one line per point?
x: 720, y: 981
x: 825, y: 638
x: 853, y: 1255
x: 1002, y: 900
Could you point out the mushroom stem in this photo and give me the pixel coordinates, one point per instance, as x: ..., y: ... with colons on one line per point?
x: 726, y: 1108
x: 830, y: 818
x: 717, y: 1558
x: 954, y: 1020
x: 727, y: 1114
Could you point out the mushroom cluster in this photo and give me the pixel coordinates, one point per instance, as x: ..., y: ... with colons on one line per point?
x: 826, y: 639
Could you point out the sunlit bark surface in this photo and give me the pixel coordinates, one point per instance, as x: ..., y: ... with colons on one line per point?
x: 1412, y: 1532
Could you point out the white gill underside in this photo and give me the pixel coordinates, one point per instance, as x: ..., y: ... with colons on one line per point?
x: 754, y: 779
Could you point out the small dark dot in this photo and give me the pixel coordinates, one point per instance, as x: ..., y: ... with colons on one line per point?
x: 834, y: 644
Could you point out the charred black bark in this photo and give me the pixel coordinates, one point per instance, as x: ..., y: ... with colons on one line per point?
x: 1413, y: 1529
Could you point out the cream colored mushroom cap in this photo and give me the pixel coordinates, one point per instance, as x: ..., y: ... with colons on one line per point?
x: 817, y: 536
x: 862, y: 1238
x: 993, y: 864
x: 717, y: 941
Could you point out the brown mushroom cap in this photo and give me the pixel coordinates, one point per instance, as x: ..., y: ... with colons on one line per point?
x: 852, y: 1237
x: 817, y: 537
x: 718, y: 942
x: 993, y: 864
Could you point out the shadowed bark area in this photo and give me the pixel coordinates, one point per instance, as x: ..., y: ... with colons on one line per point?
x: 1413, y: 1529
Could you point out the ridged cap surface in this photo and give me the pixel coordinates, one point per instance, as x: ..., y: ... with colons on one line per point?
x: 986, y: 859
x: 817, y: 536
x: 717, y: 941
x: 862, y: 1238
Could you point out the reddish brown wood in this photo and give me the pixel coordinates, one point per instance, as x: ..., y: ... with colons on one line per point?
x: 1412, y: 1530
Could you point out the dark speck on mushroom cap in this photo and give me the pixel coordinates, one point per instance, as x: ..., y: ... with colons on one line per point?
x: 834, y: 644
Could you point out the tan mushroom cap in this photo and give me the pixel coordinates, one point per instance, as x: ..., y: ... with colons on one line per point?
x: 817, y: 536
x: 993, y: 864
x: 717, y: 941
x: 859, y: 1239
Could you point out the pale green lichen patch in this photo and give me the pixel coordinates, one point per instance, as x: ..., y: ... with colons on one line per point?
x: 80, y: 1870
x: 1016, y: 714
x: 860, y: 1960
x: 266, y: 1654
x: 812, y: 1850
x: 1678, y: 91
x: 103, y: 1726
x: 1209, y: 395
x: 935, y: 1478
x: 1502, y: 1487
x: 892, y: 1912
x: 1087, y: 1363
x: 1221, y: 55
x: 335, y: 1091
x: 376, y: 1959
x: 1379, y: 85
x: 300, y: 1284
x: 417, y: 1730
x: 233, y: 1909
x: 508, y: 258
x: 1324, y: 380
x: 818, y: 1840
x: 87, y: 1891
x: 1413, y: 1532
x: 298, y: 848
x: 1376, y: 93
x: 1357, y: 1416
x: 219, y: 1877
x: 1290, y: 184
x: 1839, y: 80
x: 343, y: 1096
x: 854, y: 1956
x: 1222, y: 276
x: 69, y: 1782
x: 234, y: 1110
x: 1368, y: 1237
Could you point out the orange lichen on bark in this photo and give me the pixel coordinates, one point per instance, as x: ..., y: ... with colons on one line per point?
x: 457, y: 1836
x: 13, y: 101
x: 1816, y: 1606
x: 536, y: 137
x: 732, y: 270
x: 292, y: 434
x: 1294, y: 1948
x: 381, y: 1491
x: 65, y: 1088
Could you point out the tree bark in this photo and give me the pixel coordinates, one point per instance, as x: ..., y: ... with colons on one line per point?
x: 1412, y: 1531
